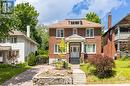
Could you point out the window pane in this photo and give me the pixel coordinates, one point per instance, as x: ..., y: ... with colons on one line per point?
x: 94, y: 47
x: 91, y: 32
x: 56, y: 48
x: 62, y: 33
x: 87, y: 33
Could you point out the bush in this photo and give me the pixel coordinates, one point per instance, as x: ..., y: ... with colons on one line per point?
x: 41, y: 59
x: 62, y: 65
x: 5, y: 65
x: 103, y: 65
x: 31, y: 59
x: 125, y: 58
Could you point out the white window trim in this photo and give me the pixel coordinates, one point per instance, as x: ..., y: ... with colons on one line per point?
x: 91, y: 52
x: 57, y: 33
x: 86, y: 33
x: 58, y: 52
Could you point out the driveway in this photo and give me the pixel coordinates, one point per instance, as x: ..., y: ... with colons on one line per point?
x: 25, y: 78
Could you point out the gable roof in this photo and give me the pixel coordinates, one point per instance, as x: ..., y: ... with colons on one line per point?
x: 65, y: 24
x: 124, y: 21
x: 19, y: 33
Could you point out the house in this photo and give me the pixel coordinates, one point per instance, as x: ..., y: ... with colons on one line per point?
x: 116, y: 38
x: 16, y: 47
x: 82, y: 37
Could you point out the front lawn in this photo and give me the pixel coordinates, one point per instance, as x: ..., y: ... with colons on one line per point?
x: 7, y: 72
x: 122, y: 74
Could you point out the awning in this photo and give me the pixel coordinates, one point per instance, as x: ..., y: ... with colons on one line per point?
x: 75, y: 38
x: 5, y: 48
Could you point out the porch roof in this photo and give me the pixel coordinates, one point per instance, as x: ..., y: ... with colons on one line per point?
x: 5, y: 48
x: 75, y: 38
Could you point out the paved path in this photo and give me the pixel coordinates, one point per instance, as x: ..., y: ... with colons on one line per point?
x: 25, y: 78
x: 79, y: 76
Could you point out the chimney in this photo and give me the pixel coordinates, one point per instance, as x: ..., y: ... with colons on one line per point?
x: 109, y: 20
x: 28, y: 31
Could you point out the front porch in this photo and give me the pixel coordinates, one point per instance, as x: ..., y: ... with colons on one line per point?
x: 75, y: 49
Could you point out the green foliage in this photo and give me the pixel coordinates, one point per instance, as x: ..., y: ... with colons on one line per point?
x: 31, y: 59
x: 42, y: 59
x: 125, y: 58
x: 89, y: 69
x: 42, y: 37
x: 7, y: 71
x: 27, y: 15
x: 62, y: 65
x: 5, y: 65
x: 91, y: 16
x: 103, y: 65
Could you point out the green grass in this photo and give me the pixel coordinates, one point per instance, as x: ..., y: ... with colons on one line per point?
x: 9, y: 72
x: 122, y: 74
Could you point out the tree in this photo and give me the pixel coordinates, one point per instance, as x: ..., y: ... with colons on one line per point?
x: 91, y: 16
x: 26, y: 15
x: 62, y: 47
x: 6, y: 20
x: 42, y: 37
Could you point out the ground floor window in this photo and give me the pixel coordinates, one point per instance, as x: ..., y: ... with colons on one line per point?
x: 56, y: 48
x: 90, y: 48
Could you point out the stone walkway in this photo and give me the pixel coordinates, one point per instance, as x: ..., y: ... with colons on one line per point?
x: 25, y: 78
x: 79, y: 76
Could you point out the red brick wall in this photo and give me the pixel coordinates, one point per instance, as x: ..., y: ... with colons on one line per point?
x: 109, y: 48
x: 69, y: 32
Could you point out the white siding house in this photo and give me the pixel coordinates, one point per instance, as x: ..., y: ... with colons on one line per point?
x: 17, y: 46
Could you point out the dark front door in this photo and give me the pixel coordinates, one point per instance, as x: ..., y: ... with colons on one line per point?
x: 74, y: 54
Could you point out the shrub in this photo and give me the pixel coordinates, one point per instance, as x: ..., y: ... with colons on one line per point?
x: 103, y: 65
x: 124, y: 58
x: 31, y: 59
x: 5, y: 65
x: 41, y: 59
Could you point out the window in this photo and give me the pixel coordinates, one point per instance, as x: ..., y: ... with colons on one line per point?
x: 76, y: 22
x: 60, y: 33
x: 57, y: 49
x: 13, y: 40
x: 90, y: 48
x: 90, y: 32
x: 74, y: 31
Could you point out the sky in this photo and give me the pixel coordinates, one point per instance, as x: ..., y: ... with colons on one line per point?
x: 51, y: 11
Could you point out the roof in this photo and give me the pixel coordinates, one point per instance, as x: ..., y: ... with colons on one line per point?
x: 124, y: 21
x: 65, y: 24
x: 75, y: 37
x: 19, y: 33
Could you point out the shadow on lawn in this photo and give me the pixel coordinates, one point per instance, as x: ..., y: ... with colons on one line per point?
x: 22, y: 78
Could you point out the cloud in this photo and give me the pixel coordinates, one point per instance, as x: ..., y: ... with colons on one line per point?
x: 53, y: 10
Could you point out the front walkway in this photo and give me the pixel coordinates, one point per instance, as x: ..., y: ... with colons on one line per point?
x: 25, y: 78
x: 79, y: 76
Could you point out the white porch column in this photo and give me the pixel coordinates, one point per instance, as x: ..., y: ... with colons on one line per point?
x: 82, y: 48
x: 67, y: 49
x: 118, y: 42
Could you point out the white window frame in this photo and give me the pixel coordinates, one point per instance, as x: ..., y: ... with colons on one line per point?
x: 1, y: 57
x: 89, y: 32
x: 90, y: 52
x: 74, y: 30
x: 60, y: 33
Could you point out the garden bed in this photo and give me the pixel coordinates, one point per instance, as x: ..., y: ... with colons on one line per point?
x: 53, y: 77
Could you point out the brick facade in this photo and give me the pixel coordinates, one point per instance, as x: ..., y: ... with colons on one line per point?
x: 68, y: 32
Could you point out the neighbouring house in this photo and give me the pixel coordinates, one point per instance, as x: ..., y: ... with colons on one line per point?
x: 116, y: 38
x: 16, y: 47
x: 82, y: 38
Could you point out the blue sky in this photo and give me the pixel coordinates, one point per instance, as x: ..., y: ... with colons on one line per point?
x: 54, y: 10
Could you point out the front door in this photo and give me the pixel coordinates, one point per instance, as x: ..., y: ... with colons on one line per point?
x: 75, y: 54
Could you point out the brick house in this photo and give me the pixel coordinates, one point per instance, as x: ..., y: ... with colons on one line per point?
x: 116, y: 38
x: 82, y: 38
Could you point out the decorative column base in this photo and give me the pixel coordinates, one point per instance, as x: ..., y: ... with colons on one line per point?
x: 67, y: 57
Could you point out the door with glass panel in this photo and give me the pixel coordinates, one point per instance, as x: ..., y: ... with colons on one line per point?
x: 75, y: 54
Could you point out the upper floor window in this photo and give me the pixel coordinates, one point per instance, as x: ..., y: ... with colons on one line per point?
x: 75, y: 22
x: 59, y: 32
x: 74, y: 30
x: 13, y: 40
x: 90, y: 32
